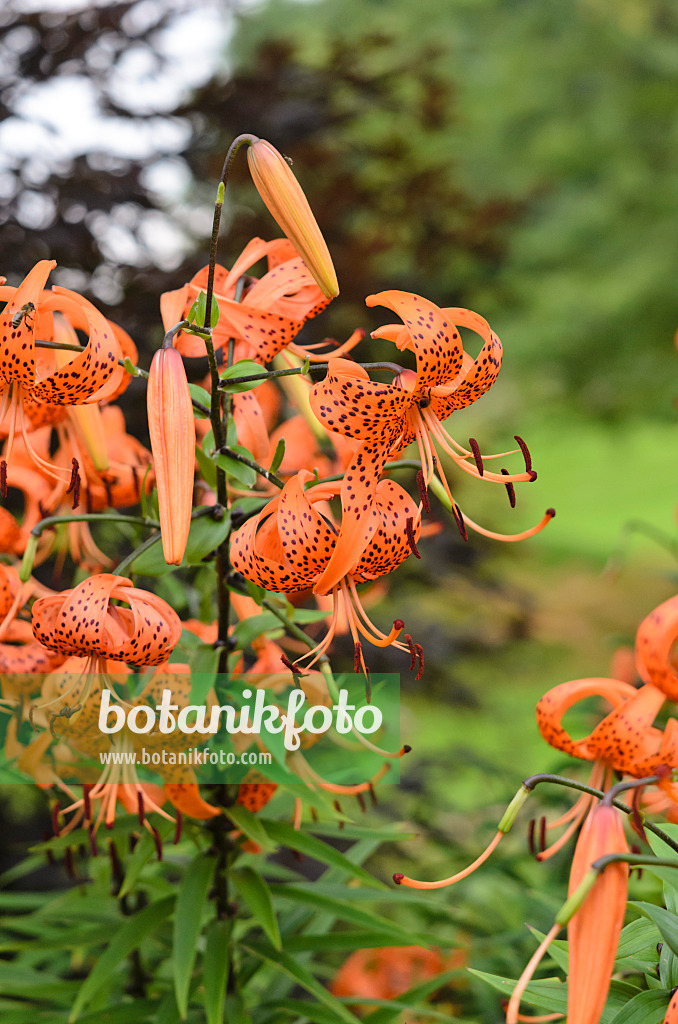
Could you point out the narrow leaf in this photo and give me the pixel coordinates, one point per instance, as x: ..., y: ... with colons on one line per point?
x: 191, y: 900
x: 215, y: 966
x: 285, y: 835
x: 257, y: 896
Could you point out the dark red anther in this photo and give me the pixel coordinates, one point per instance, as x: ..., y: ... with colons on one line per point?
x: 337, y: 807
x: 459, y: 520
x: 542, y: 834
x: 510, y: 489
x: 550, y: 512
x: 135, y: 478
x: 76, y: 493
x: 423, y: 491
x: 3, y: 477
x: 526, y: 452
x: 116, y: 866
x: 530, y: 837
x: 289, y: 664
x: 93, y: 841
x: 158, y: 841
x: 373, y: 794
x: 475, y: 448
x: 86, y: 802
x: 42, y: 509
x: 69, y: 866
x: 313, y: 813
x: 532, y: 475
x: 88, y: 501
x: 420, y: 657
x: 398, y: 877
x: 133, y: 840
x: 179, y: 827
x: 409, y: 529
x: 413, y: 651
x: 398, y: 624
x: 140, y: 806
x: 407, y: 749
x: 55, y: 818
x: 361, y: 802
x: 74, y: 475
x: 357, y: 656
x: 109, y: 490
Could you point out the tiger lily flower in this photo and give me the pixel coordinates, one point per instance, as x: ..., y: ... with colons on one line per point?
x: 27, y: 314
x: 288, y: 545
x: 286, y: 201
x: 82, y: 621
x: 385, y: 418
x: 271, y: 310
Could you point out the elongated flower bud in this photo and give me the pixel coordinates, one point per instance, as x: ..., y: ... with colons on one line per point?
x: 172, y: 429
x: 286, y: 201
x: 593, y: 932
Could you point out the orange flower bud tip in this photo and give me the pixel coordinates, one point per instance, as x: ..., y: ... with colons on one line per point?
x: 283, y: 195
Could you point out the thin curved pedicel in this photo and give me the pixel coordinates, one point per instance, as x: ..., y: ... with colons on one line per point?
x: 388, y: 417
x: 83, y: 621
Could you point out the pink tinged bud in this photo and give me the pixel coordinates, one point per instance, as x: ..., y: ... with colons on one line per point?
x: 282, y: 194
x: 172, y: 429
x: 593, y: 932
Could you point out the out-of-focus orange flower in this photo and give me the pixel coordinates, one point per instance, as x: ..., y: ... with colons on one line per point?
x: 388, y: 972
x: 286, y: 201
x: 288, y: 545
x: 385, y: 418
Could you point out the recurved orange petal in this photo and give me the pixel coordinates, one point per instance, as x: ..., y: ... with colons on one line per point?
x: 655, y: 638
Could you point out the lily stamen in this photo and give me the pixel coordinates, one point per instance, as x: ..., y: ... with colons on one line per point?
x: 413, y: 883
x: 475, y: 448
x: 410, y: 536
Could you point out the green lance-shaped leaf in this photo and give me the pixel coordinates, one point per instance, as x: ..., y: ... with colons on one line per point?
x: 289, y: 966
x: 257, y: 895
x: 645, y: 1008
x: 252, y: 827
x: 286, y: 835
x: 215, y: 966
x: 205, y: 535
x: 128, y: 937
x: 196, y: 314
x: 191, y: 900
x: 243, y: 368
x: 278, y: 455
x: 666, y: 922
x: 238, y: 470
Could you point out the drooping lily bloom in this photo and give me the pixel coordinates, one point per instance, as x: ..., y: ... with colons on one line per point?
x: 388, y: 417
x: 271, y: 311
x: 27, y: 315
x: 287, y: 547
x: 84, y: 621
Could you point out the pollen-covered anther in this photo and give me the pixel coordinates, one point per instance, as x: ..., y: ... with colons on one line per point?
x: 409, y: 528
x: 510, y: 489
x: 140, y: 807
x: 86, y: 802
x: 56, y: 829
x: 420, y: 658
x: 413, y: 651
x: 74, y: 482
x: 526, y: 452
x: 93, y: 841
x: 157, y: 839
x: 423, y: 491
x: 475, y: 448
x: 357, y: 656
x: 459, y: 519
x: 179, y: 826
x: 3, y: 477
x: 291, y: 665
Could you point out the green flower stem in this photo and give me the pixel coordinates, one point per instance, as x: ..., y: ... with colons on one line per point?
x: 291, y: 627
x: 266, y: 473
x: 85, y: 517
x: 639, y: 859
x: 561, y: 780
x: 124, y: 565
x: 270, y: 374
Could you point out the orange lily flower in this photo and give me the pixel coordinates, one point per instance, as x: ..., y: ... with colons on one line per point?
x: 271, y: 311
x: 83, y: 621
x: 289, y: 544
x: 386, y: 418
x: 27, y: 313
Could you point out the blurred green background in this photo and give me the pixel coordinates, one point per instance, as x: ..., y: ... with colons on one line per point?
x: 517, y: 158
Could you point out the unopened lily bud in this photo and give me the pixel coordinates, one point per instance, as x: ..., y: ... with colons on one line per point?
x: 286, y: 201
x: 172, y: 430
x: 593, y: 932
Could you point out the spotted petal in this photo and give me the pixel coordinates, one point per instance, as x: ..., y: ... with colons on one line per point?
x: 553, y: 705
x: 389, y: 545
x: 17, y: 348
x: 656, y: 636
x: 434, y: 337
x: 476, y: 375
